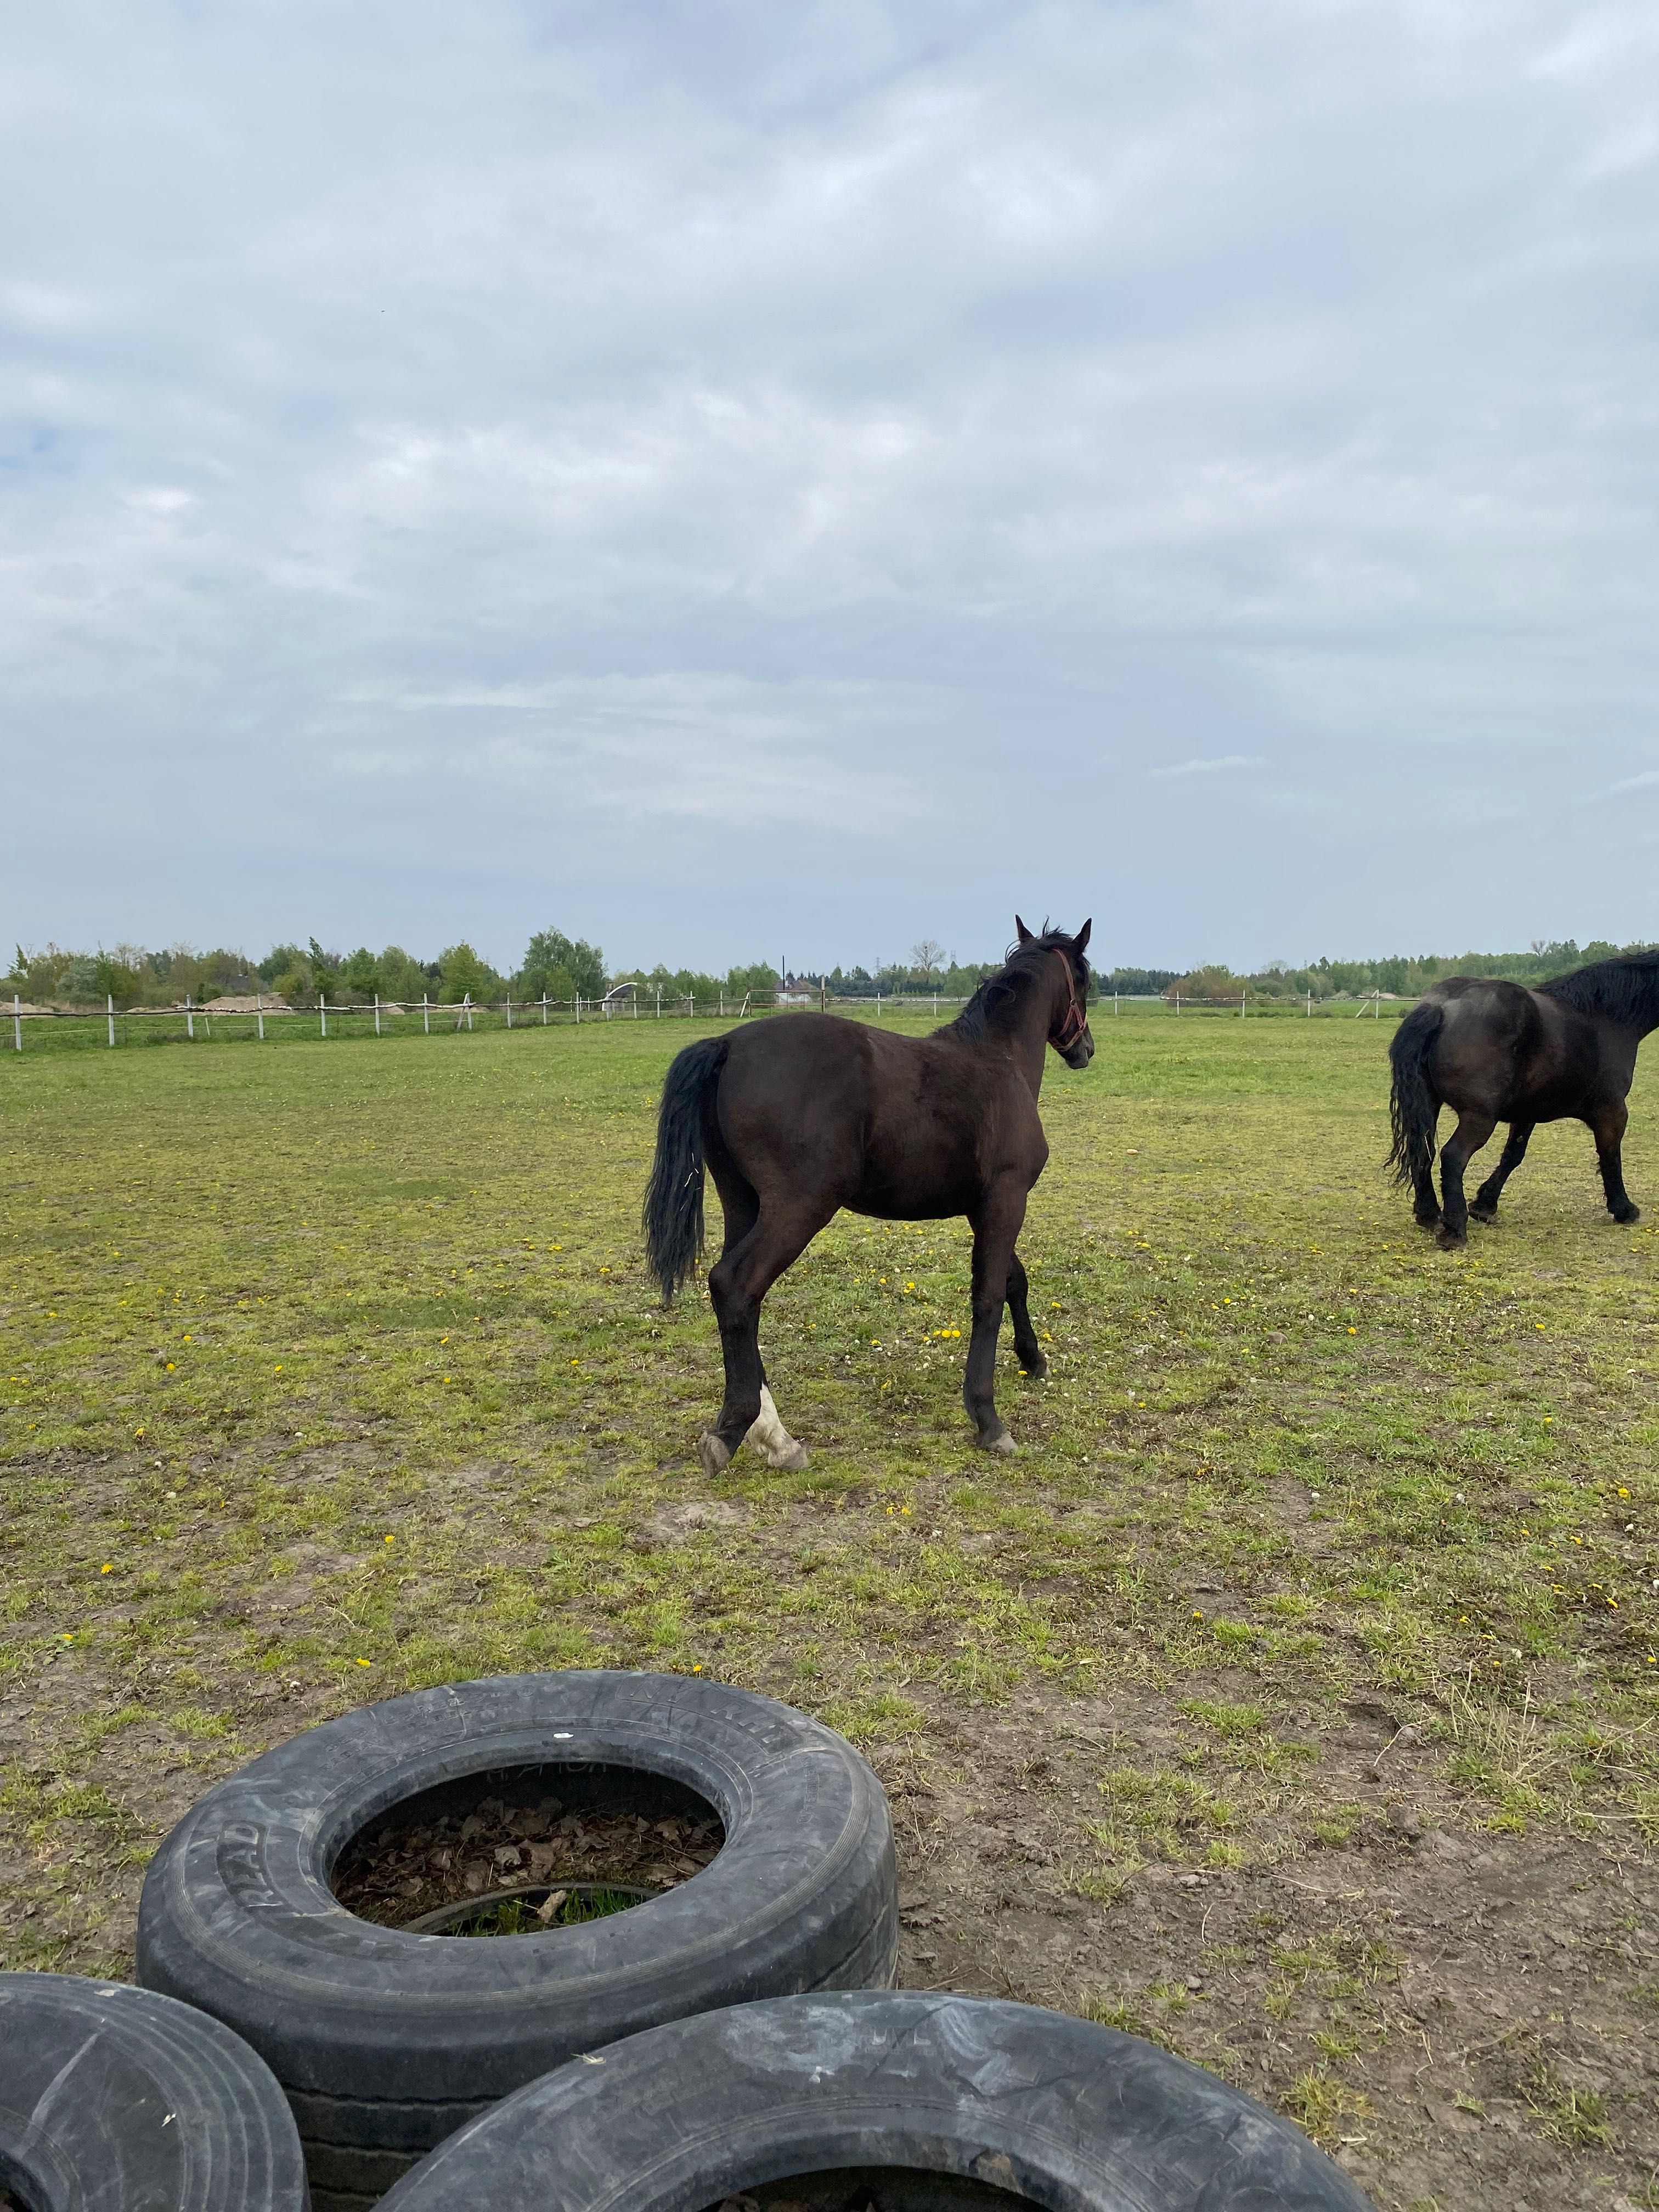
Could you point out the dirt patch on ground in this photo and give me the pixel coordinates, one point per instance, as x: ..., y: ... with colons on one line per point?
x: 1462, y: 2019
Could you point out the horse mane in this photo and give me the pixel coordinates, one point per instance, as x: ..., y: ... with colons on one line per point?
x: 1623, y: 989
x: 1019, y: 962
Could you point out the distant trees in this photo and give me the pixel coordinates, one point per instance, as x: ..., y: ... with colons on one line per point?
x: 462, y: 974
x: 582, y: 967
x: 564, y: 966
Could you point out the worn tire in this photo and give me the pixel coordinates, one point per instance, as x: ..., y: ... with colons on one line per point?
x: 984, y: 2101
x: 116, y: 2100
x: 386, y: 2041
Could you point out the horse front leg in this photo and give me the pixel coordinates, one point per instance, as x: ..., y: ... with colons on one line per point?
x: 1031, y: 1357
x: 1466, y: 1140
x: 1608, y: 1127
x: 1485, y: 1207
x: 995, y: 1227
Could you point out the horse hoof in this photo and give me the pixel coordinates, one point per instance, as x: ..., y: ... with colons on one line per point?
x: 1452, y: 1240
x: 1487, y: 1213
x: 716, y: 1456
x: 1004, y: 1445
x: 1427, y: 1222
x: 1037, y: 1369
x: 1630, y: 1214
x: 794, y: 1461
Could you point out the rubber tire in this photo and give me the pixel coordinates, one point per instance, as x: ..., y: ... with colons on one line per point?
x: 1037, y: 2104
x: 116, y: 2100
x: 387, y: 2041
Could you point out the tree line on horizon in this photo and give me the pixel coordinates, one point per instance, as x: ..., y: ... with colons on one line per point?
x: 563, y: 968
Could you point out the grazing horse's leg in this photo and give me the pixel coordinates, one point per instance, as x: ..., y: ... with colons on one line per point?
x: 1025, y: 1342
x: 1472, y: 1131
x: 1485, y: 1207
x: 1608, y: 1127
x: 996, y: 1224
x: 738, y: 1281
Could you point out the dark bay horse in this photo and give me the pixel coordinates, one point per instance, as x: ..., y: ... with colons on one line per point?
x: 1495, y: 1051
x: 802, y: 1115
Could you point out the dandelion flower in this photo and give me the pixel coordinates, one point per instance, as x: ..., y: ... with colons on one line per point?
x: 364, y: 1663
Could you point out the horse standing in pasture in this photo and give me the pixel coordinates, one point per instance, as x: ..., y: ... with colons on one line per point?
x: 1497, y: 1052
x: 803, y: 1115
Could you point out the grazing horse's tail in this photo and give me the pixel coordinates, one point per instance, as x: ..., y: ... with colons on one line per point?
x: 672, y: 1214
x: 1412, y: 1107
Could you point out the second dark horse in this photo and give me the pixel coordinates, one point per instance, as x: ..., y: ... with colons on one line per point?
x: 802, y: 1115
x: 1495, y: 1051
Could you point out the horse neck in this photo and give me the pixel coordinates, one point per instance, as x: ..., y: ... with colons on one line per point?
x: 1022, y: 1025
x: 1644, y: 1016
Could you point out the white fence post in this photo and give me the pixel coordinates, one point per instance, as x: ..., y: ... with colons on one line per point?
x: 426, y: 1013
x: 1241, y: 1006
x: 509, y: 1010
x: 659, y: 1002
x: 259, y: 1011
x: 189, y: 1018
x: 17, y: 1020
x: 577, y: 1002
x: 543, y: 1009
x: 377, y: 1013
x: 110, y: 1000
x: 322, y: 1010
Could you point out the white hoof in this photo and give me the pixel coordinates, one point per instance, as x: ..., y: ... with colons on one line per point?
x: 714, y: 1454
x: 1004, y: 1446
x: 771, y: 1440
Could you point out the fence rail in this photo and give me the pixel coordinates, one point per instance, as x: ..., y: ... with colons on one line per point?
x: 393, y: 1018
x: 386, y: 1018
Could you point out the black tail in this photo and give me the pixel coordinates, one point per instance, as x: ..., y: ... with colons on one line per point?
x: 672, y: 1214
x: 1412, y: 1107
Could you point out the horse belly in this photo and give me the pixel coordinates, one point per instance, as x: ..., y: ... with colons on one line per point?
x: 890, y: 1197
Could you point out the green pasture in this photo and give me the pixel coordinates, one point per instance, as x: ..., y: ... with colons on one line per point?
x: 334, y: 1371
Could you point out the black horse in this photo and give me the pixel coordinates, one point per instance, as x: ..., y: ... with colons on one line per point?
x: 1495, y: 1051
x: 802, y: 1115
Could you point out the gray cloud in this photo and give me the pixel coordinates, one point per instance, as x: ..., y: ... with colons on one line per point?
x: 734, y: 479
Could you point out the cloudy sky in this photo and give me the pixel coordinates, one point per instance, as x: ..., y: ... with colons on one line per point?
x: 733, y: 481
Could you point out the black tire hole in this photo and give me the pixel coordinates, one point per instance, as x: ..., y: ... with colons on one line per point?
x: 584, y: 1829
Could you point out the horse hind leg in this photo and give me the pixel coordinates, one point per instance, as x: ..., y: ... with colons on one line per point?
x: 1484, y: 1205
x: 1466, y: 1140
x: 768, y: 1436
x: 1031, y: 1353
x: 737, y: 1282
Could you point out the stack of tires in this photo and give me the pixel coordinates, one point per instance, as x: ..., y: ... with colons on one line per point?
x: 732, y: 2035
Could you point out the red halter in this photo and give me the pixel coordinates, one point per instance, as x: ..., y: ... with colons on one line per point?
x: 1076, y: 1020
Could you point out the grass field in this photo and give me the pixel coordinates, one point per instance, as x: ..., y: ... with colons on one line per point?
x: 1292, y: 1697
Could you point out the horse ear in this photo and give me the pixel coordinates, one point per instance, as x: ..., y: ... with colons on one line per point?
x: 1081, y: 940
x: 1024, y: 933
